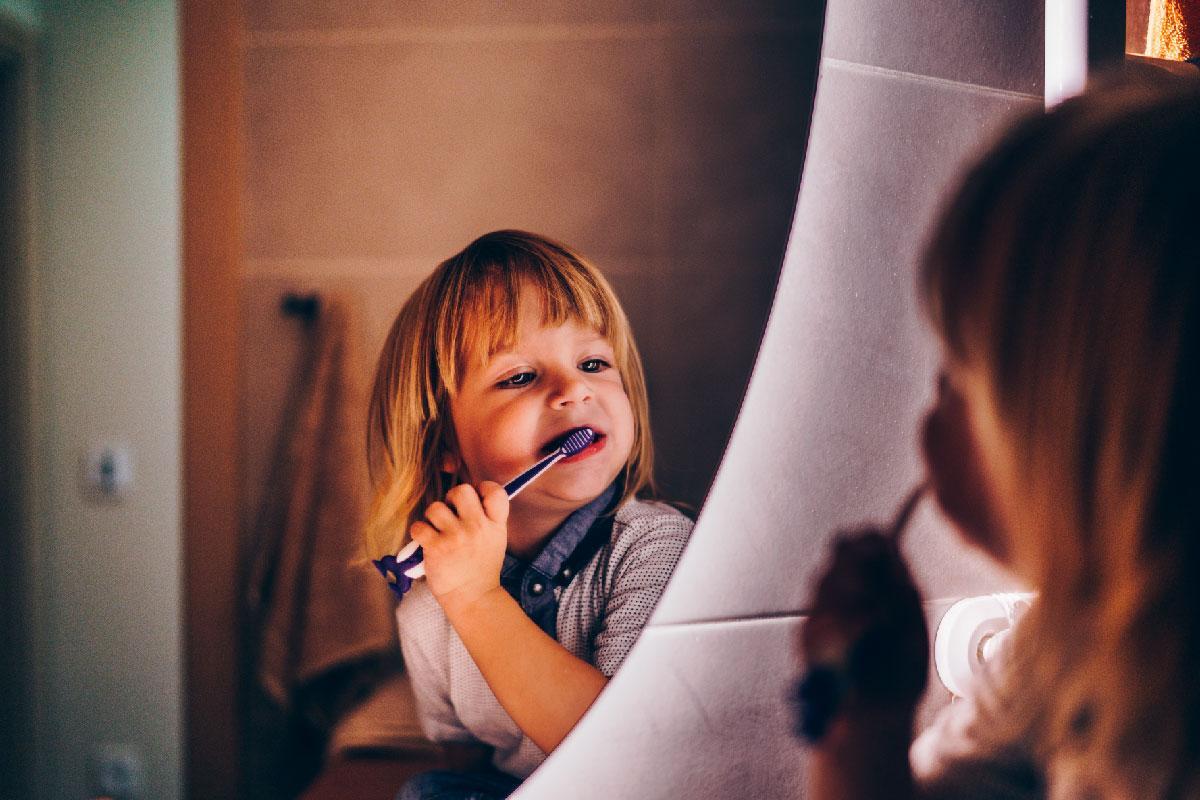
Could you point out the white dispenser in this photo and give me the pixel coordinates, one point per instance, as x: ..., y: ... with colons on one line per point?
x: 971, y: 633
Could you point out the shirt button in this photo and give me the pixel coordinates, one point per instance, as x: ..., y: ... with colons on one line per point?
x: 567, y: 573
x: 537, y: 588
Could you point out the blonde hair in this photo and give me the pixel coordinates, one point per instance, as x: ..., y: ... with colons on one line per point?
x: 468, y: 309
x: 1067, y: 268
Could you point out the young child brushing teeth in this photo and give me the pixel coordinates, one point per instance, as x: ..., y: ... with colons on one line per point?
x: 529, y: 605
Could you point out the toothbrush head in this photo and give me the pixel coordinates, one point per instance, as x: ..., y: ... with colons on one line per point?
x: 578, y: 440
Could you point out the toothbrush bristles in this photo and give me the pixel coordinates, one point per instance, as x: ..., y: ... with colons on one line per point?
x: 577, y: 441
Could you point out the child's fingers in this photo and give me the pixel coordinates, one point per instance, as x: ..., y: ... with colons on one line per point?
x: 495, y: 501
x: 440, y: 516
x: 422, y: 533
x: 465, y: 501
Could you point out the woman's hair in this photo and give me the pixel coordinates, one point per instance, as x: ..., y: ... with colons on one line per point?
x: 467, y: 310
x: 1066, y: 269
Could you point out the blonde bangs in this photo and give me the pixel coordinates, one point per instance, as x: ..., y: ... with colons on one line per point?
x: 479, y: 309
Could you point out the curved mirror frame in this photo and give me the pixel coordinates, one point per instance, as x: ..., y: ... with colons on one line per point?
x: 663, y: 141
x: 826, y: 437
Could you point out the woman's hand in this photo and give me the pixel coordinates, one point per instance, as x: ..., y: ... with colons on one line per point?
x: 866, y: 633
x: 867, y: 656
x: 464, y: 539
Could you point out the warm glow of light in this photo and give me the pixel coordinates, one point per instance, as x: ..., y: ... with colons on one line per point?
x: 1167, y: 32
x: 1066, y: 49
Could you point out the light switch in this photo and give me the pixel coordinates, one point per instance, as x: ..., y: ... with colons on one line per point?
x: 108, y: 471
x: 118, y: 771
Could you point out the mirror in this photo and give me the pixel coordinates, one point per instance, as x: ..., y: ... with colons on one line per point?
x: 824, y: 439
x: 661, y: 140
x: 355, y: 145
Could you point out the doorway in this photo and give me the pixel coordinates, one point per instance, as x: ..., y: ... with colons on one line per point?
x: 17, y: 715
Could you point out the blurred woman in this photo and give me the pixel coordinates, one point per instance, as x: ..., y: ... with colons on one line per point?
x: 1063, y: 283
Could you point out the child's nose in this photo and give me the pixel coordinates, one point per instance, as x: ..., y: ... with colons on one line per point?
x: 570, y: 388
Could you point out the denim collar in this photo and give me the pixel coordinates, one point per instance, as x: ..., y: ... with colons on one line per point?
x: 559, y: 547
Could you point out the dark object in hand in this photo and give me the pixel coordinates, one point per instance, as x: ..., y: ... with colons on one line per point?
x: 393, y: 571
x: 816, y: 698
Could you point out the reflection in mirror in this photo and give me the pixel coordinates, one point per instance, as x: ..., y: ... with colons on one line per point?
x: 663, y: 142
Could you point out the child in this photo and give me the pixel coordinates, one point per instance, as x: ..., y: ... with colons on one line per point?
x: 528, y: 606
x: 1064, y: 282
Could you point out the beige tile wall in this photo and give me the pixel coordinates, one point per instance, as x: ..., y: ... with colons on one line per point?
x: 664, y: 140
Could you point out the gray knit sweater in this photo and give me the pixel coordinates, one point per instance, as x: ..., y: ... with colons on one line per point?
x: 601, y: 612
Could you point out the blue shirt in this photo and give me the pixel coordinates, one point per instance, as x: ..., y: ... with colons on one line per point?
x: 536, y: 585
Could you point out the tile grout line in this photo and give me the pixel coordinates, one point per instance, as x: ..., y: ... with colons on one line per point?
x: 773, y: 616
x: 545, y: 32
x: 341, y: 266
x: 870, y: 69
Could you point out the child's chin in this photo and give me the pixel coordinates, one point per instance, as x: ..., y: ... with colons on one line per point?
x: 581, y: 490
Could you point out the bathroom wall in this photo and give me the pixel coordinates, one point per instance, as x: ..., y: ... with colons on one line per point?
x: 662, y: 139
x: 1137, y: 15
x: 104, y: 576
x: 26, y: 13
x: 827, y: 435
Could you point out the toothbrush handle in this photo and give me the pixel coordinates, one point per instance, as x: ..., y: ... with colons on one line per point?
x: 411, y: 558
x: 513, y: 487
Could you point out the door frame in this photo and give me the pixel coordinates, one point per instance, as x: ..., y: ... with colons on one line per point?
x: 22, y: 734
x: 212, y: 76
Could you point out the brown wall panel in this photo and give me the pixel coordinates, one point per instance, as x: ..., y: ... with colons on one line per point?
x: 212, y: 80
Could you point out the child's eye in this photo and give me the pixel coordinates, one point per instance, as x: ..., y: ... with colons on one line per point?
x: 594, y: 365
x: 518, y: 379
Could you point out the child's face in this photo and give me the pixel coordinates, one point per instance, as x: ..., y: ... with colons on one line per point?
x: 511, y: 410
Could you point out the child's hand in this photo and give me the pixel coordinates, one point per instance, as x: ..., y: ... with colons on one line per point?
x: 464, y: 539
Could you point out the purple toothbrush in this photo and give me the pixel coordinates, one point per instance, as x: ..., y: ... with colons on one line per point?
x: 401, y: 569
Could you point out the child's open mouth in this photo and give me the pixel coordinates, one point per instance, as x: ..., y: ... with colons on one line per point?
x: 597, y: 444
x: 595, y: 447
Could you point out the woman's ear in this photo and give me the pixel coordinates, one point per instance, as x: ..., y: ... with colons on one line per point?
x: 958, y: 470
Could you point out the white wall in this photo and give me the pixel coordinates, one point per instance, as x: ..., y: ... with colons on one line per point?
x: 107, y: 360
